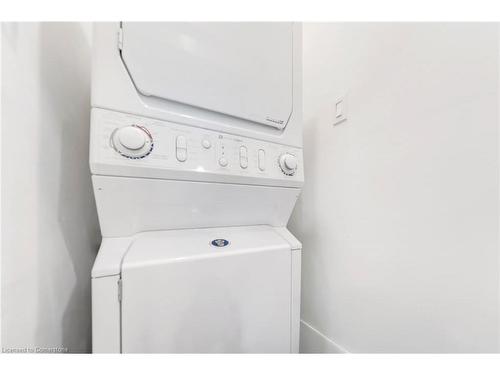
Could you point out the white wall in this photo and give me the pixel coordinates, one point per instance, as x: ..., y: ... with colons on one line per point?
x: 50, y: 232
x: 399, y: 214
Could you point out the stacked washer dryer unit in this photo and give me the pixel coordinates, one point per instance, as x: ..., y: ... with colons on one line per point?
x: 196, y: 160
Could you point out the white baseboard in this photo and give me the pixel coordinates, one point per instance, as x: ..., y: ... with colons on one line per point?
x: 313, y: 341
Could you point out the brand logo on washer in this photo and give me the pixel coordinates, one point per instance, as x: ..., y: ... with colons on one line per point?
x: 220, y: 242
x: 276, y: 121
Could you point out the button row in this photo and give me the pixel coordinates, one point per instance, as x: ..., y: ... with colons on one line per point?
x: 244, y: 159
x: 181, y: 153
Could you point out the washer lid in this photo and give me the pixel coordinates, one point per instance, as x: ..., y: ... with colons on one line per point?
x: 240, y: 69
x: 152, y: 248
x: 181, y: 294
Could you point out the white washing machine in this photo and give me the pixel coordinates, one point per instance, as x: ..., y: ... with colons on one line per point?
x: 196, y: 161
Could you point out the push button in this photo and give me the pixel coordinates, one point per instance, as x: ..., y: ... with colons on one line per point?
x: 243, y: 157
x: 223, y: 162
x: 244, y: 163
x: 262, y: 160
x: 181, y: 142
x: 181, y: 148
x: 181, y: 154
x: 206, y: 144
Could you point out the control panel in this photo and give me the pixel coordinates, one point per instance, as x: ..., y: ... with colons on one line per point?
x: 128, y: 145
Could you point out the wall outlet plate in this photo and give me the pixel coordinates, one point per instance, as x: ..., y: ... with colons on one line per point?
x: 340, y: 110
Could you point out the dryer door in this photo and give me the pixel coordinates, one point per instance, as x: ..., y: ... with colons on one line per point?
x: 240, y: 69
x: 183, y: 294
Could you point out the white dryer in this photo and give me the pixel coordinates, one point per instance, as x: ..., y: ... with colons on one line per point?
x: 196, y: 161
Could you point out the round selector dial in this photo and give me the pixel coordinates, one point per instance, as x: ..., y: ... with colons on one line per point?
x: 288, y: 164
x: 133, y: 142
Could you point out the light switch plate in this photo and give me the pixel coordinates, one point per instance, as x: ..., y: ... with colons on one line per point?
x: 340, y: 110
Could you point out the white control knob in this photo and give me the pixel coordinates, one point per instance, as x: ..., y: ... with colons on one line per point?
x: 133, y: 142
x: 288, y: 164
x: 131, y: 137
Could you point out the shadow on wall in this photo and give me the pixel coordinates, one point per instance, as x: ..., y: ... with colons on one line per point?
x: 307, y: 227
x: 65, y: 118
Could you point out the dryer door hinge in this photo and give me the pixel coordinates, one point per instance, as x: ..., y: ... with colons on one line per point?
x: 120, y: 38
x: 120, y: 288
